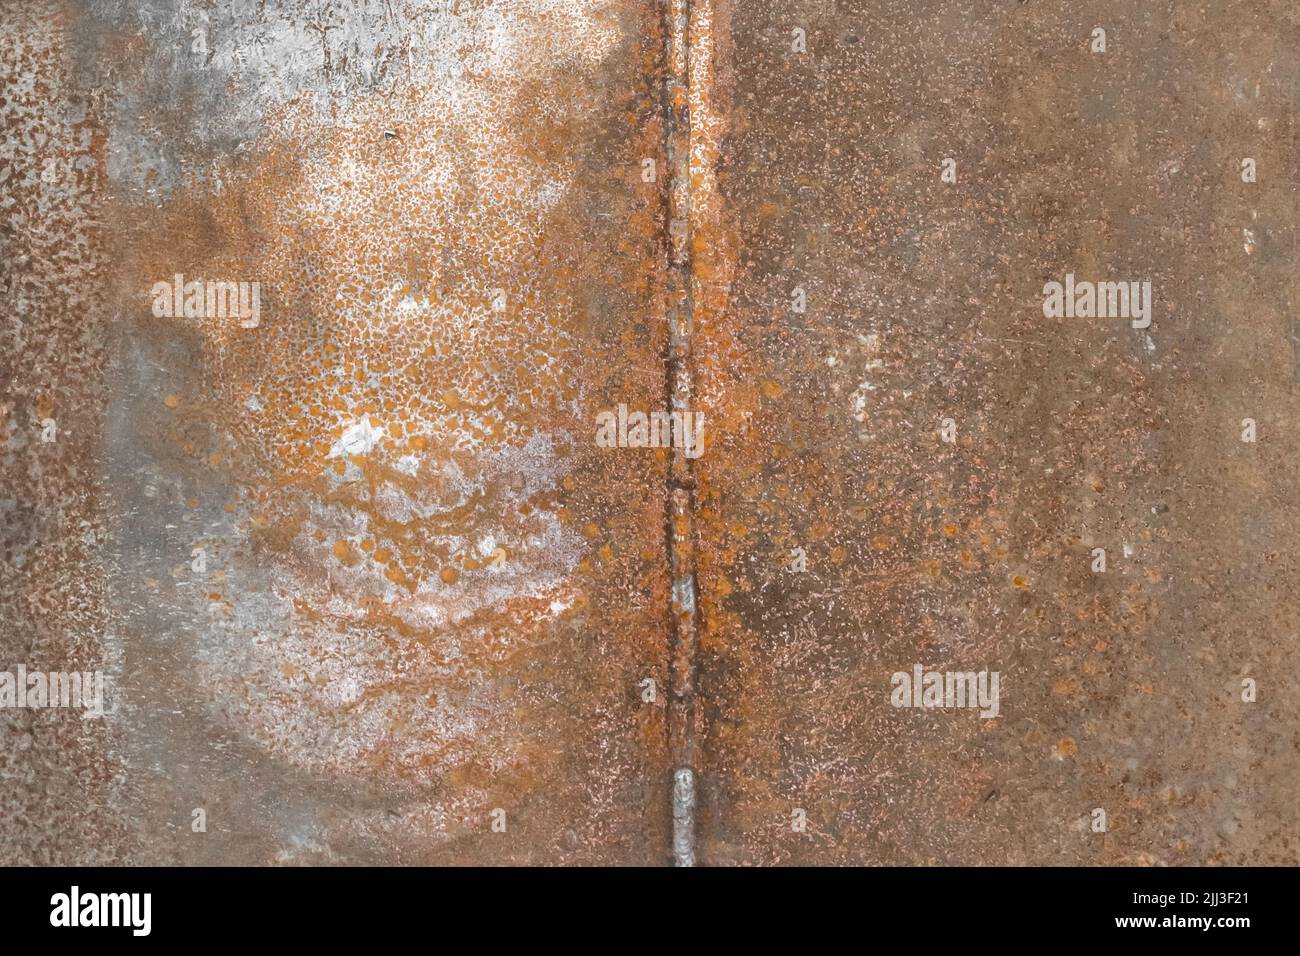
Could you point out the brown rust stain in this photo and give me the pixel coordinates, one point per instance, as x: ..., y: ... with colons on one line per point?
x: 424, y: 560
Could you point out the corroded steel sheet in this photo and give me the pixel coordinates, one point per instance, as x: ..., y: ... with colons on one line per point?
x: 365, y: 588
x: 921, y: 318
x: 328, y: 329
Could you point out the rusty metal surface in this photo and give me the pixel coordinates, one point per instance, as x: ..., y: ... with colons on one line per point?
x: 423, y: 595
x: 1119, y: 690
x: 367, y: 587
